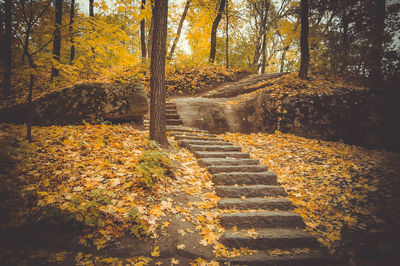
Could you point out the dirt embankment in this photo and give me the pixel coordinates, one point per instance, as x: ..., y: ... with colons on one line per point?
x: 318, y: 108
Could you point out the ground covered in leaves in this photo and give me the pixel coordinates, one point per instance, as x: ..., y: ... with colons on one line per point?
x: 291, y: 85
x: 347, y: 195
x: 93, y: 187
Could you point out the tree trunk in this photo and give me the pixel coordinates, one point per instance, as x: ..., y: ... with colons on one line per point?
x: 262, y: 29
x: 178, y: 32
x: 71, y: 21
x: 345, y: 41
x: 264, y: 53
x: 157, y: 74
x: 305, y: 53
x: 143, y: 32
x: 91, y: 12
x: 283, y: 59
x: 214, y: 28
x: 57, y: 37
x: 377, y: 33
x: 7, y: 48
x: 151, y: 30
x: 227, y: 35
x: 30, y: 104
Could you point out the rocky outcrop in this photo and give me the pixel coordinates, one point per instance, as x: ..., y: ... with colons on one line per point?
x: 84, y: 102
x: 355, y: 117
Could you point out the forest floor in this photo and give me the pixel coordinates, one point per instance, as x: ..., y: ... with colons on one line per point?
x: 106, y: 195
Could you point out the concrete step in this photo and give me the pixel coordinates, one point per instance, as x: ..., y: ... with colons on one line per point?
x: 256, y: 203
x: 175, y: 128
x: 174, y: 122
x: 218, y: 154
x: 262, y: 219
x: 172, y: 116
x: 171, y: 112
x: 199, y: 137
x: 265, y: 259
x: 266, y: 238
x: 223, y: 161
x: 203, y: 142
x: 210, y: 148
x: 234, y: 168
x: 250, y: 191
x: 243, y: 178
x: 182, y: 134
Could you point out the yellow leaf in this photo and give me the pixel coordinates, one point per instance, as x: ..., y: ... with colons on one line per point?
x: 181, y: 246
x: 174, y: 261
x: 156, y: 252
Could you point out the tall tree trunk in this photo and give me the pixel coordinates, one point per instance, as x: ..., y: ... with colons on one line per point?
x: 71, y: 21
x: 264, y: 53
x: 260, y: 34
x: 345, y: 40
x: 305, y: 52
x: 151, y: 30
x: 91, y: 12
x: 26, y: 46
x: 7, y: 48
x: 283, y: 59
x: 157, y: 73
x: 178, y: 32
x: 227, y: 35
x: 57, y: 37
x: 213, y: 45
x: 377, y: 33
x: 143, y: 32
x: 30, y: 112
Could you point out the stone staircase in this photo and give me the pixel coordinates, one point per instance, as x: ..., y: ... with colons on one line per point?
x: 254, y: 200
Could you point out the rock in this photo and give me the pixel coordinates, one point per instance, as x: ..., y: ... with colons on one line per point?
x: 89, y: 102
x: 355, y: 117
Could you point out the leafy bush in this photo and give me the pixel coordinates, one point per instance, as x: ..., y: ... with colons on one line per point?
x: 153, y: 166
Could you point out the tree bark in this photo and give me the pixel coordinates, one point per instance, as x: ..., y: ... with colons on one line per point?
x: 150, y: 41
x: 57, y: 37
x: 264, y: 53
x: 305, y: 53
x: 71, y: 21
x: 345, y: 40
x: 262, y: 29
x: 7, y: 47
x: 227, y: 35
x: 377, y: 33
x: 157, y: 74
x: 283, y: 56
x: 178, y: 32
x: 214, y: 28
x: 143, y: 32
x: 91, y: 12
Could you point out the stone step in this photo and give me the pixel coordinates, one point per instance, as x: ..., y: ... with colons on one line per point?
x: 266, y: 238
x: 234, y: 168
x: 210, y: 148
x: 176, y: 128
x: 172, y: 116
x: 260, y: 219
x: 203, y: 142
x: 174, y: 121
x: 199, y: 137
x: 243, y: 178
x: 249, y: 191
x: 182, y: 134
x: 256, y: 203
x: 223, y: 161
x: 265, y: 259
x: 218, y: 154
x: 171, y: 112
